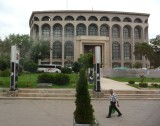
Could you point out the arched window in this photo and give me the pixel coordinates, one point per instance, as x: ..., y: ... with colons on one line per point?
x: 68, y: 50
x: 104, y: 18
x: 36, y: 19
x: 81, y: 29
x: 138, y: 20
x: 127, y: 51
x: 137, y: 33
x: 69, y: 18
x: 115, y: 31
x: 57, y: 50
x: 46, y: 18
x: 116, y: 19
x: 104, y: 30
x: 81, y: 18
x: 116, y: 64
x: 46, y: 30
x: 92, y: 18
x: 127, y: 19
x: 92, y: 30
x: 69, y: 30
x: 116, y: 51
x: 126, y: 32
x: 57, y: 18
x: 57, y: 30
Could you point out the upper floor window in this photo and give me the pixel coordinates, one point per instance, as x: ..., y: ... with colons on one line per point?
x: 127, y: 51
x: 116, y: 19
x: 69, y: 18
x: 68, y: 49
x: 104, y: 30
x: 137, y: 33
x: 115, y: 32
x: 81, y: 29
x: 92, y: 30
x: 127, y: 19
x: 57, y: 18
x: 46, y: 30
x: 81, y: 18
x: 104, y: 18
x: 138, y: 20
x: 57, y: 49
x: 69, y: 30
x: 93, y: 18
x: 46, y: 18
x: 57, y: 30
x: 116, y: 51
x: 126, y: 32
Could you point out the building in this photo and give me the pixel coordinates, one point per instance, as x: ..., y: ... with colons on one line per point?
x: 71, y: 33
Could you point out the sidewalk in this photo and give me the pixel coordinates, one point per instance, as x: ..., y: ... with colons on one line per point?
x: 107, y: 84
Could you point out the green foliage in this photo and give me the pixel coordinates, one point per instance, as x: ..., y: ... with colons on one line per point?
x: 137, y: 65
x: 66, y: 70
x: 84, y: 110
x: 3, y: 64
x: 1, y: 83
x: 45, y: 78
x: 144, y: 85
x: 131, y: 82
x: 61, y: 79
x: 5, y: 73
x: 77, y: 66
x: 30, y: 66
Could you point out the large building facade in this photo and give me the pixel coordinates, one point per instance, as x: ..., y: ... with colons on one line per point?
x: 71, y: 33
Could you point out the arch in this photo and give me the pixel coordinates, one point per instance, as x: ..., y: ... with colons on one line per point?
x: 116, y: 19
x: 68, y: 50
x: 46, y: 30
x: 81, y: 29
x: 57, y: 49
x: 36, y: 19
x: 57, y: 30
x: 115, y: 31
x: 57, y: 18
x: 138, y: 20
x: 69, y: 18
x: 127, y: 51
x: 104, y: 30
x: 137, y: 32
x: 116, y: 53
x: 93, y: 18
x: 146, y: 21
x: 116, y: 64
x: 46, y: 18
x: 104, y: 18
x: 92, y: 30
x: 127, y: 31
x: 81, y: 18
x: 69, y: 29
x: 127, y: 19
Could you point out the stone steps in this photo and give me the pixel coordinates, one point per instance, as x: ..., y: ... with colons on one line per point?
x: 70, y: 94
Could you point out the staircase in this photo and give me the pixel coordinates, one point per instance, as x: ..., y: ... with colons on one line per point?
x: 70, y: 94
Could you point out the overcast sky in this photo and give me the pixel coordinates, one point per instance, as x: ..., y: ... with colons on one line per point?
x: 15, y: 14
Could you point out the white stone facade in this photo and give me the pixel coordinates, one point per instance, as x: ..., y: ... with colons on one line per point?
x: 71, y: 33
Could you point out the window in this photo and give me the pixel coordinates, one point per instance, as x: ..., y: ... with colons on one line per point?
x: 115, y: 32
x: 116, y: 19
x: 138, y: 20
x: 57, y: 49
x: 92, y: 30
x: 57, y: 18
x: 127, y: 19
x: 46, y: 30
x: 46, y: 18
x: 92, y: 18
x: 127, y: 51
x: 137, y: 33
x: 116, y: 51
x: 126, y: 32
x: 81, y: 18
x: 36, y: 19
x: 81, y: 29
x: 104, y: 18
x: 69, y: 30
x: 57, y: 30
x: 68, y: 50
x: 69, y: 18
x: 104, y: 30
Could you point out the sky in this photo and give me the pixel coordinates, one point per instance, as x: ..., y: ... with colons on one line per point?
x: 15, y: 14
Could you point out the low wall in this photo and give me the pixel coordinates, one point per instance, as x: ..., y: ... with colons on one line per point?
x: 150, y: 73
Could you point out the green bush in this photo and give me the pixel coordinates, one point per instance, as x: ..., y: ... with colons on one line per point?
x: 66, y: 70
x: 46, y: 78
x: 5, y: 73
x: 1, y: 83
x: 61, y: 79
x: 144, y: 85
x: 154, y: 85
x: 131, y: 82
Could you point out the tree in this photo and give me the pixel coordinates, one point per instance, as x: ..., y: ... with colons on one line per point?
x: 30, y: 66
x: 84, y: 110
x: 77, y: 66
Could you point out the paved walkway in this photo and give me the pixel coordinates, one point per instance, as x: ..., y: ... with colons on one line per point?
x: 107, y: 84
x: 60, y: 113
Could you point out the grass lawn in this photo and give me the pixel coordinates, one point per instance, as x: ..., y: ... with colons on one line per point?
x: 30, y: 81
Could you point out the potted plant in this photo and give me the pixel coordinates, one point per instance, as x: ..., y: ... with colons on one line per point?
x: 83, y: 115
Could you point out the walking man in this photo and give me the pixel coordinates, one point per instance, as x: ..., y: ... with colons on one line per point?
x: 113, y: 101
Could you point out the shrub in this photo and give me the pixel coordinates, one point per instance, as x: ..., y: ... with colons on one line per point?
x: 1, y: 83
x: 30, y: 66
x: 131, y: 82
x: 5, y: 73
x: 144, y: 85
x: 66, y: 70
x: 46, y: 78
x: 154, y: 85
x: 84, y: 109
x: 61, y: 79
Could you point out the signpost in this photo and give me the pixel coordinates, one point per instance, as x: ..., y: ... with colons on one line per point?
x: 15, y: 55
x: 97, y: 60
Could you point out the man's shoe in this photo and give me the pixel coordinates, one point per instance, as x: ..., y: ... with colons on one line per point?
x: 119, y: 115
x: 108, y: 116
